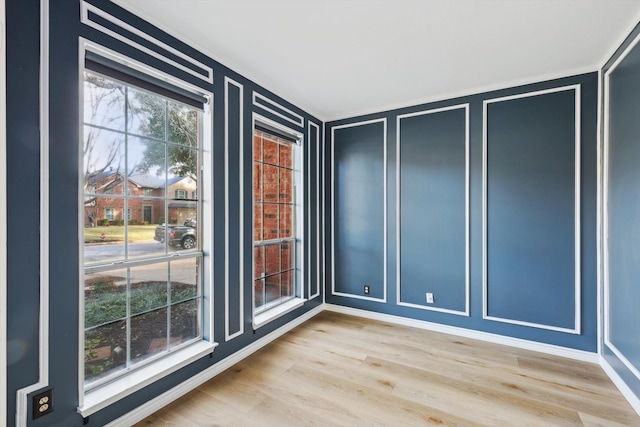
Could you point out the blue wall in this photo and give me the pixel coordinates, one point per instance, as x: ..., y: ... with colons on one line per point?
x: 23, y: 178
x: 621, y: 336
x: 531, y: 212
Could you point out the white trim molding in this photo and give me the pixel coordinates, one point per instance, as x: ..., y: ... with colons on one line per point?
x: 143, y: 411
x: 317, y: 236
x: 3, y: 216
x: 261, y: 100
x: 228, y: 335
x: 467, y: 282
x: 206, y: 72
x: 577, y: 245
x: 22, y: 404
x: 605, y: 214
x: 551, y: 349
x: 385, y: 213
x: 628, y: 394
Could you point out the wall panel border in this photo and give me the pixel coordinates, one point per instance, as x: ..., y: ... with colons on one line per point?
x: 577, y: 198
x: 385, y: 214
x: 467, y: 284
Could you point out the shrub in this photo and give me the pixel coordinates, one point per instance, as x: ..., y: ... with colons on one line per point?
x: 133, y: 221
x: 104, y: 222
x: 160, y: 220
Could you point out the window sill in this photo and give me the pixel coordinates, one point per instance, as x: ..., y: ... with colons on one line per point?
x: 277, y: 311
x: 110, y: 393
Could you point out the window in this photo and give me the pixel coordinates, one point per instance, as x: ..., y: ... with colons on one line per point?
x: 277, y: 213
x: 147, y: 192
x: 181, y: 194
x: 142, y: 301
x: 109, y: 214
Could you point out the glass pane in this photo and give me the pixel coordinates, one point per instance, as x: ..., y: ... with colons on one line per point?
x: 257, y: 147
x: 148, y: 287
x: 184, y: 321
x: 257, y: 222
x: 286, y: 156
x: 148, y: 334
x: 183, y: 124
x: 286, y: 221
x: 286, y: 256
x: 103, y: 153
x: 258, y: 262
x: 147, y: 115
x: 104, y: 102
x: 286, y: 283
x: 270, y: 150
x: 270, y: 184
x: 146, y: 167
x: 182, y: 162
x: 272, y: 288
x: 184, y: 279
x: 270, y: 221
x: 257, y: 181
x: 259, y: 293
x: 286, y: 186
x: 104, y: 350
x: 103, y: 244
x: 272, y: 259
x: 105, y: 297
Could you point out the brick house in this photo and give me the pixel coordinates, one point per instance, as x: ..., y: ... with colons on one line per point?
x: 146, y: 199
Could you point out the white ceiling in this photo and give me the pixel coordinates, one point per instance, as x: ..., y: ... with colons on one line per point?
x: 338, y: 58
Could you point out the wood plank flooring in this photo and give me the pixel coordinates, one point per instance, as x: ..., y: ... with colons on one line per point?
x: 339, y: 370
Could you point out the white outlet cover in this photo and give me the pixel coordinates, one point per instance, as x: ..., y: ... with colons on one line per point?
x: 429, y: 298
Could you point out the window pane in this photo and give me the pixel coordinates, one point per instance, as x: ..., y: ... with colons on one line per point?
x: 286, y: 283
x: 272, y: 259
x: 104, y: 102
x: 257, y: 181
x: 259, y: 293
x: 286, y: 186
x: 184, y: 279
x: 103, y: 243
x: 286, y: 156
x: 148, y: 334
x: 257, y: 147
x: 270, y: 184
x: 105, y: 350
x: 286, y: 256
x: 257, y: 223
x: 147, y: 114
x: 105, y: 297
x: 270, y: 221
x: 182, y: 162
x: 270, y: 151
x: 184, y: 321
x: 148, y: 287
x: 183, y: 125
x: 272, y: 288
x: 103, y: 153
x: 258, y: 262
x: 286, y: 221
x: 146, y: 166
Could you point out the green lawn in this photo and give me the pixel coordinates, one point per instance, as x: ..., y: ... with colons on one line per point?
x: 115, y: 233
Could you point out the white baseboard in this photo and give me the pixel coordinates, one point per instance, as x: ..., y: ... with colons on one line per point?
x: 556, y: 350
x: 169, y: 396
x: 631, y: 397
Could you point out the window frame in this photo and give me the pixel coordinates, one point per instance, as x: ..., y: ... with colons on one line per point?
x: 264, y: 316
x: 92, y: 399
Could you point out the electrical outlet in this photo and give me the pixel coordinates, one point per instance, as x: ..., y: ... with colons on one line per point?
x: 429, y: 298
x: 367, y: 289
x: 42, y: 403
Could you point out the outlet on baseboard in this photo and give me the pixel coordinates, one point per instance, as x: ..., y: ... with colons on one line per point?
x: 367, y: 289
x: 42, y: 403
x: 429, y: 298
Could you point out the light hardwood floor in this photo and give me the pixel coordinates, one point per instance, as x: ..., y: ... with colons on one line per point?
x: 338, y: 370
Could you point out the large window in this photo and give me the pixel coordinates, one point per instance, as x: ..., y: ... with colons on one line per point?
x: 143, y: 269
x: 276, y: 176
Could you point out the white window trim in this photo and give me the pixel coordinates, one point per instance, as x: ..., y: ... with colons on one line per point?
x: 268, y: 315
x: 122, y: 387
x: 96, y: 399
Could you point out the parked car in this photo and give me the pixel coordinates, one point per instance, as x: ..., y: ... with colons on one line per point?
x: 183, y: 236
